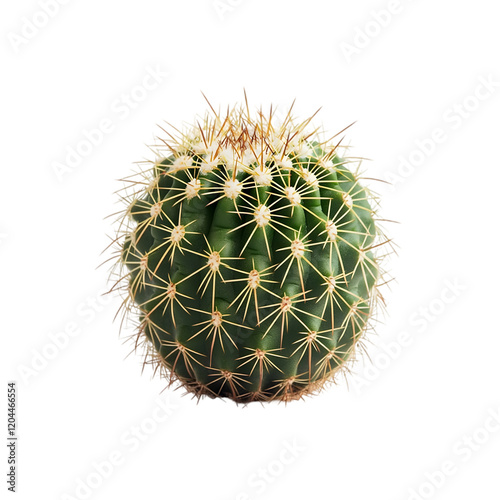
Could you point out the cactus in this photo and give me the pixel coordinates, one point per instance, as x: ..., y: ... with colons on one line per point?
x: 247, y: 256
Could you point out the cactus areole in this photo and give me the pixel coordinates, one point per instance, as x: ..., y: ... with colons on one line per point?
x: 247, y: 257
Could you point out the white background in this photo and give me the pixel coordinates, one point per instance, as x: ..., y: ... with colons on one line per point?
x: 428, y: 399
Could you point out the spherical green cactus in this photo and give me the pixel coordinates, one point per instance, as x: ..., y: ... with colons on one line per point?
x: 247, y: 254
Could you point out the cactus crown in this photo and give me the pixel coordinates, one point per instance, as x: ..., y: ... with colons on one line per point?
x: 246, y: 251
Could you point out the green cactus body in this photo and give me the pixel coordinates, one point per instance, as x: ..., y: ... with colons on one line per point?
x: 248, y: 251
